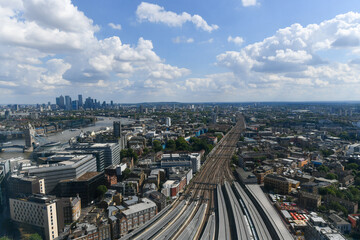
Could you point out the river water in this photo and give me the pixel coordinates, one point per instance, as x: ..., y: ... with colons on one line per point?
x: 62, y: 137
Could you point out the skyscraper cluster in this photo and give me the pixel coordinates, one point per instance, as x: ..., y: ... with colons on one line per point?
x: 67, y: 103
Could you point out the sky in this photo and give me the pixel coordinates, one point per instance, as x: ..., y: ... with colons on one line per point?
x: 132, y: 51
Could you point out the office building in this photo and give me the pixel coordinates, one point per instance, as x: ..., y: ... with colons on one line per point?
x: 4, y: 173
x: 278, y: 183
x: 98, y: 154
x: 137, y: 215
x: 83, y: 186
x: 309, y: 201
x: 67, y: 102
x: 60, y: 101
x: 25, y: 185
x: 75, y: 105
x: 192, y: 160
x: 117, y: 129
x: 80, y: 99
x: 37, y: 210
x: 68, y: 167
x: 111, y: 151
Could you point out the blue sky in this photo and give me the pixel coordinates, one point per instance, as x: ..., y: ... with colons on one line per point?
x: 135, y: 51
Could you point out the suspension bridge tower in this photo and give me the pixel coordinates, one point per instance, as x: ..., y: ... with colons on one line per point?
x: 29, y: 140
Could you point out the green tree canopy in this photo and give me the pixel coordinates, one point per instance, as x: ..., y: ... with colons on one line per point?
x: 101, y: 190
x: 157, y: 145
x: 35, y: 236
x: 126, y: 173
x: 171, y: 145
x: 352, y: 166
x: 323, y: 168
x: 331, y: 176
x: 4, y: 238
x: 129, y: 153
x: 182, y: 144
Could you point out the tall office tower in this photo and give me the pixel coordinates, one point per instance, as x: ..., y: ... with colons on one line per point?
x: 61, y: 102
x: 117, y: 129
x: 89, y: 103
x: 37, y: 210
x: 67, y: 102
x: 80, y: 100
x: 168, y: 122
x: 75, y: 105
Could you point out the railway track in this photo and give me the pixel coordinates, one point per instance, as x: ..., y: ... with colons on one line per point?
x: 199, y: 196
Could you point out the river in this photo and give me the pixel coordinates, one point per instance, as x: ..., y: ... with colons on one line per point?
x: 63, y: 137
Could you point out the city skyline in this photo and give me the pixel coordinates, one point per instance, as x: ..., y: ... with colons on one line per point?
x: 159, y: 51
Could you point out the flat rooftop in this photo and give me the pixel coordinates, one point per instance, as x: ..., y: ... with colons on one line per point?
x: 146, y: 204
x: 87, y: 176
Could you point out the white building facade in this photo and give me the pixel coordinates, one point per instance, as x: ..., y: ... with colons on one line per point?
x: 39, y: 211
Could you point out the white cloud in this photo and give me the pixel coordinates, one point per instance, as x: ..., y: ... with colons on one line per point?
x: 54, y: 74
x: 182, y: 40
x: 115, y: 26
x: 50, y: 45
x: 293, y: 56
x: 247, y: 3
x: 237, y: 40
x: 157, y: 14
x: 45, y: 25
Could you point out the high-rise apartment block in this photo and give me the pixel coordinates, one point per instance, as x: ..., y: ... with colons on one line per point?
x: 168, y: 122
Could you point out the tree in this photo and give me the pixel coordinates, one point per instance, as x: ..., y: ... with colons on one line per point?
x: 35, y: 236
x: 157, y: 145
x: 323, y: 168
x: 4, y: 238
x: 126, y: 173
x: 129, y: 153
x: 234, y: 159
x: 182, y: 144
x: 352, y: 166
x: 171, y: 145
x: 331, y: 176
x: 123, y: 153
x: 322, y: 208
x: 327, y: 152
x: 101, y: 190
x: 145, y: 151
